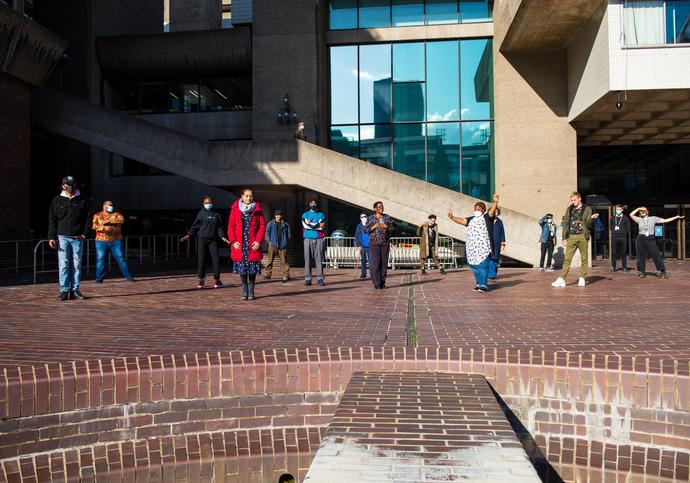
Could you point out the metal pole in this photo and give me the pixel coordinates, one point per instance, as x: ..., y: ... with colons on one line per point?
x: 16, y: 256
x: 166, y: 248
x: 141, y: 250
x: 154, y: 248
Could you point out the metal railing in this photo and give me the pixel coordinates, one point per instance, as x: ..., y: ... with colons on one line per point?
x: 144, y: 248
x: 404, y: 252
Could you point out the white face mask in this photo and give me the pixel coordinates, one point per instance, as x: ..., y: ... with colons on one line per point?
x: 478, y: 213
x: 363, y: 220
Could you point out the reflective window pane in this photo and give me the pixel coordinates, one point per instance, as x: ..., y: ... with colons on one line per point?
x: 477, y: 159
x: 408, y: 102
x: 375, y: 83
x: 407, y: 12
x: 678, y: 22
x: 409, y: 156
x: 345, y: 139
x: 226, y: 93
x: 475, y: 10
x: 441, y: 11
x: 476, y: 79
x: 374, y: 13
x: 375, y: 144
x: 408, y: 62
x: 342, y: 14
x: 443, y: 154
x: 442, y: 81
x: 344, y: 85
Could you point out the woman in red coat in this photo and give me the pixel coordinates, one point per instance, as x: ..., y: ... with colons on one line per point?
x: 246, y: 230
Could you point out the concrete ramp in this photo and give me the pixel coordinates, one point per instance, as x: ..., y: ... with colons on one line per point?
x: 291, y: 162
x: 420, y: 426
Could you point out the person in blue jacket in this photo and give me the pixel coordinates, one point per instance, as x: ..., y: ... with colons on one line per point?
x: 362, y: 243
x: 547, y: 240
x: 278, y: 234
x: 499, y: 243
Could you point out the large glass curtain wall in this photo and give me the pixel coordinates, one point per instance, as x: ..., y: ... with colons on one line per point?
x: 363, y: 14
x: 423, y: 109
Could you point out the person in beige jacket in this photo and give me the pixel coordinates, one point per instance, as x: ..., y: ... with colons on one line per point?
x: 428, y: 244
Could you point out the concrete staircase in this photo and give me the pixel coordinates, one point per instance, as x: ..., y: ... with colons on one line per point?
x: 290, y: 162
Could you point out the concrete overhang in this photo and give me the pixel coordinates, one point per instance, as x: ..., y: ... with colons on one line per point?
x: 170, y: 55
x: 647, y: 117
x: 546, y: 24
x: 28, y: 51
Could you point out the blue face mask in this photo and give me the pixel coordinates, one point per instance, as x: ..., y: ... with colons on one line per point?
x: 313, y: 207
x: 110, y: 209
x: 208, y: 206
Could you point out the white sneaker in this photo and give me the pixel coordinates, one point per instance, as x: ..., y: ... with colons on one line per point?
x: 581, y: 282
x: 559, y: 283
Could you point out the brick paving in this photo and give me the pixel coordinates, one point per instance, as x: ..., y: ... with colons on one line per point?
x: 419, y: 426
x: 616, y: 314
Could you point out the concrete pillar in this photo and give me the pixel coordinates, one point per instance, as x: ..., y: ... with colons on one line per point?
x: 195, y: 15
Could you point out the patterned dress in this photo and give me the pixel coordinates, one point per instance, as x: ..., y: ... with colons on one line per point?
x: 246, y: 267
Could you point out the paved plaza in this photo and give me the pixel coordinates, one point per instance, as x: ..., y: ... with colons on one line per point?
x: 615, y: 314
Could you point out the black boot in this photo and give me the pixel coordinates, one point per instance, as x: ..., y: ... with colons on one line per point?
x: 252, y: 279
x: 245, y: 287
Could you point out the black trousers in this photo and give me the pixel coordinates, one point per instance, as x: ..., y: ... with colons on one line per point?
x: 378, y: 264
x: 546, y: 248
x: 619, y: 249
x: 211, y: 246
x: 647, y: 247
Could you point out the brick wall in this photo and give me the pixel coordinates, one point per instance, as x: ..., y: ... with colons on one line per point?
x: 15, y: 162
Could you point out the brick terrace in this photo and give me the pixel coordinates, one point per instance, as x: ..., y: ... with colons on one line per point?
x: 616, y: 314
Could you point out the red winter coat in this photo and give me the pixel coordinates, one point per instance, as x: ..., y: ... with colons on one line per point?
x: 257, y: 230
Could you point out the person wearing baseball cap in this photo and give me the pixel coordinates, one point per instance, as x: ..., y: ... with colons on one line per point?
x: 278, y: 234
x: 68, y: 218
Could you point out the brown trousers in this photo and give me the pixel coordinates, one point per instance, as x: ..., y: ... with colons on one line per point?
x: 281, y: 253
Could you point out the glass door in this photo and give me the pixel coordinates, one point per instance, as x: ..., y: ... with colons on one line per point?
x: 670, y: 239
x: 685, y: 232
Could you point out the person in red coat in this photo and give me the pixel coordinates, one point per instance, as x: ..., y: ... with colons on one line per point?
x: 246, y: 230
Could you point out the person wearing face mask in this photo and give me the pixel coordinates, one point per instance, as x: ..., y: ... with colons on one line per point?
x: 108, y: 227
x: 428, y: 244
x: 380, y: 228
x: 578, y: 223
x: 208, y: 229
x: 547, y: 241
x: 645, y: 243
x: 619, y: 228
x: 498, y: 235
x: 313, y: 226
x: 246, y: 231
x: 68, y: 218
x: 479, y: 241
x: 279, y: 235
x: 362, y: 243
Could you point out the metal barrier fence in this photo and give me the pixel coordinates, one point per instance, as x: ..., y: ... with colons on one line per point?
x: 404, y: 252
x: 146, y: 248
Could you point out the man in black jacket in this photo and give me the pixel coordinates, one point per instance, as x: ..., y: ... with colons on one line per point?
x: 67, y: 228
x: 619, y: 226
x: 207, y: 228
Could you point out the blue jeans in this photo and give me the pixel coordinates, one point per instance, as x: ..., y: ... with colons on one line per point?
x: 115, y: 247
x: 481, y: 272
x: 364, y: 255
x: 70, y: 251
x: 493, y: 268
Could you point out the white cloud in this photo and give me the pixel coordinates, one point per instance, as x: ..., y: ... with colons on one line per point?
x: 436, y: 117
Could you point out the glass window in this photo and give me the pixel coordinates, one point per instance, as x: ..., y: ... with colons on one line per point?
x: 476, y: 159
x: 344, y: 85
x: 678, y: 22
x: 375, y: 144
x: 442, y: 81
x: 374, y: 13
x: 409, y: 153
x: 408, y: 102
x: 408, y: 62
x: 125, y: 96
x: 476, y: 79
x: 154, y: 97
x: 375, y: 83
x: 643, y: 22
x: 475, y: 10
x: 225, y: 94
x: 345, y: 139
x: 441, y: 11
x: 443, y: 154
x: 342, y: 14
x: 184, y: 96
x: 407, y: 12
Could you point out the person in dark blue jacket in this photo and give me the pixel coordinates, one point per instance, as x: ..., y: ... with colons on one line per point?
x: 499, y: 242
x: 362, y: 243
x: 278, y: 234
x: 547, y: 240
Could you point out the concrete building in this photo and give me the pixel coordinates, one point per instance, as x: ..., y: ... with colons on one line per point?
x: 425, y: 104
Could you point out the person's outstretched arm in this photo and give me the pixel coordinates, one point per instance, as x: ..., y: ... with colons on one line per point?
x: 673, y: 218
x: 494, y: 206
